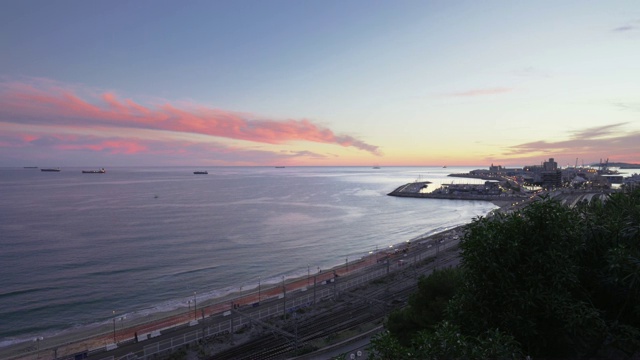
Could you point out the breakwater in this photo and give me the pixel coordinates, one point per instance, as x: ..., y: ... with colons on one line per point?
x: 456, y: 196
x: 456, y: 192
x: 414, y: 188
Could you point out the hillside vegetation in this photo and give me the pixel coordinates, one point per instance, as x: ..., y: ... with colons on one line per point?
x: 546, y: 281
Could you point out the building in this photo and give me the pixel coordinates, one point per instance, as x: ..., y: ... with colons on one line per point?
x: 550, y: 176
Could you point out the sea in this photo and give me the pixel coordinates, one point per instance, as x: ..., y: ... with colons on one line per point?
x: 78, y: 248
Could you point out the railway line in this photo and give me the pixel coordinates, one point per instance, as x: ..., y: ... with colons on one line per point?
x: 347, y: 311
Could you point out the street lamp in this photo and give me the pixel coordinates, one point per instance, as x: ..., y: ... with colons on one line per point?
x: 114, y: 326
x: 284, y: 306
x: 195, y: 311
x: 121, y: 318
x: 37, y: 340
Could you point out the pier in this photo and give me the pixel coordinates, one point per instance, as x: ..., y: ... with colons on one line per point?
x: 409, y: 189
x: 486, y: 192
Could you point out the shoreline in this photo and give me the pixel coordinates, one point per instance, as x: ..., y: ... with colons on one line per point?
x: 94, y: 337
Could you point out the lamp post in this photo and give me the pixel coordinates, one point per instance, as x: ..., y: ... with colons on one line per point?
x: 308, y: 274
x: 315, y: 283
x: 284, y: 306
x: 37, y: 340
x: 195, y: 307
x: 122, y: 318
x: 346, y: 263
x: 114, y: 326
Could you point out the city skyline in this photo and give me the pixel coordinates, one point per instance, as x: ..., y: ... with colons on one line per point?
x: 406, y: 83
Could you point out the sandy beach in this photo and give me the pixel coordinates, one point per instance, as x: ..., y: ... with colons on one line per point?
x: 103, y: 337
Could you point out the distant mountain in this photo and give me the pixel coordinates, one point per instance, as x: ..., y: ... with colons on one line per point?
x: 620, y: 165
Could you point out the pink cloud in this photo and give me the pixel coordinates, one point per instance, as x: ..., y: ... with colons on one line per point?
x: 44, y: 104
x: 28, y: 137
x: 591, y: 143
x: 89, y: 149
x: 110, y: 146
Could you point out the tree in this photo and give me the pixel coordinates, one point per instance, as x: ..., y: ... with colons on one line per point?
x: 521, y: 276
x: 426, y: 307
x: 549, y: 280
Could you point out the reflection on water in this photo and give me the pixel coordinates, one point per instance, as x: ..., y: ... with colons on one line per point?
x: 77, y: 247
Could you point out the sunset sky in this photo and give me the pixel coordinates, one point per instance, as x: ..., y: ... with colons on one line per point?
x: 345, y: 82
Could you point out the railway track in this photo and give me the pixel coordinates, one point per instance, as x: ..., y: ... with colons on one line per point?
x: 347, y: 312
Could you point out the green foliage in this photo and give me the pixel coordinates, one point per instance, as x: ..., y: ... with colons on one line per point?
x: 445, y: 341
x: 426, y: 306
x: 387, y: 347
x: 546, y: 281
x: 521, y: 276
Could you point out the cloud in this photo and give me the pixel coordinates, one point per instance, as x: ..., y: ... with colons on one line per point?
x: 597, y: 132
x: 49, y: 104
x: 482, y: 92
x: 596, y: 142
x: 305, y: 153
x: 630, y: 26
x: 624, y: 28
x: 627, y: 106
x: 89, y: 149
x: 115, y: 146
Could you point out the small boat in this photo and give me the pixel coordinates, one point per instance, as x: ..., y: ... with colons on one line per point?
x: 201, y: 172
x: 51, y: 169
x: 101, y: 171
x: 279, y: 167
x: 30, y: 167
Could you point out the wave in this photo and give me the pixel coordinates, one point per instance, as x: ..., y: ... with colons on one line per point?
x: 24, y: 292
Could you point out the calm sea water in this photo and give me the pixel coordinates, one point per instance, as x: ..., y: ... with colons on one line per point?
x: 76, y: 247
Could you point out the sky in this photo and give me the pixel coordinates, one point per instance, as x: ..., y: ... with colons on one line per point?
x: 318, y: 83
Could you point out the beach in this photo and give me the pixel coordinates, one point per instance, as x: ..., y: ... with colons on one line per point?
x: 103, y: 337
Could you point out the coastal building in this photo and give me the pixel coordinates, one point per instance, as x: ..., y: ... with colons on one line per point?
x: 550, y: 165
x: 546, y: 174
x: 496, y: 171
x: 550, y: 176
x: 488, y: 188
x: 632, y: 181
